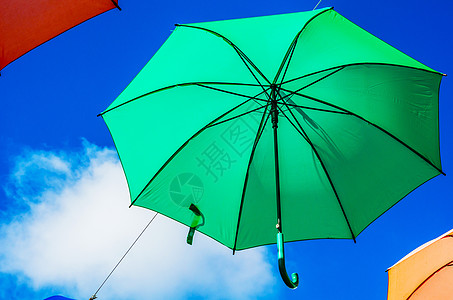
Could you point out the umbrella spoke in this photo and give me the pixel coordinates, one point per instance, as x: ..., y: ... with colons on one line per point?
x: 262, y: 125
x: 245, y: 59
x: 116, y: 4
x: 360, y: 64
x: 319, y: 101
x: 201, y: 84
x: 300, y: 129
x: 240, y: 115
x: 449, y: 264
x: 310, y: 74
x: 294, y: 105
x: 254, y: 76
x: 317, y: 129
x: 318, y: 80
x: 292, y: 47
x: 236, y: 48
x: 292, y: 123
x: 182, y: 147
x: 288, y: 102
x: 234, y: 93
x: 286, y: 60
x: 371, y: 123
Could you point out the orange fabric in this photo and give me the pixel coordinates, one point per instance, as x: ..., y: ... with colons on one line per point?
x: 25, y: 24
x: 425, y: 272
x: 440, y: 286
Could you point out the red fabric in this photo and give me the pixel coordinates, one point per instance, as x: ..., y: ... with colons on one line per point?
x: 26, y: 24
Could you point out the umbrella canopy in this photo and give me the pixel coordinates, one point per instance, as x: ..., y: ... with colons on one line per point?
x: 26, y: 24
x: 58, y: 298
x: 425, y: 273
x: 302, y: 121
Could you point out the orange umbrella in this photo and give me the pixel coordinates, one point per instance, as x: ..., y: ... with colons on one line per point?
x: 425, y: 273
x: 26, y: 24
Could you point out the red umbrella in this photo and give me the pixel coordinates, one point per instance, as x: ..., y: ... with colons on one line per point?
x: 26, y: 24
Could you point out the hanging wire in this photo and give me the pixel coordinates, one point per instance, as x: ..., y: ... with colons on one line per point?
x: 146, y: 227
x: 317, y: 4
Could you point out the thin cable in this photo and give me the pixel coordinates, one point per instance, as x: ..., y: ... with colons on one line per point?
x: 146, y: 227
x: 317, y: 4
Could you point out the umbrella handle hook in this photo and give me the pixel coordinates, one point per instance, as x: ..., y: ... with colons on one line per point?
x: 195, y: 222
x: 292, y: 282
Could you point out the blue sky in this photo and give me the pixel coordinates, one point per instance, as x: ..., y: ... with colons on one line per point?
x: 64, y: 216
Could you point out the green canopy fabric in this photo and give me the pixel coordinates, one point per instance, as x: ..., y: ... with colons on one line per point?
x: 357, y: 128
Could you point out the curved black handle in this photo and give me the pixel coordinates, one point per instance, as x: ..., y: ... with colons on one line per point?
x: 292, y: 282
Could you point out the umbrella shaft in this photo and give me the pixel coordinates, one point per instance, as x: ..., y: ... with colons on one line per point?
x: 274, y: 115
x: 277, y: 183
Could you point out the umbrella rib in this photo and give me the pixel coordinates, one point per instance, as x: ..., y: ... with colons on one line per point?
x: 288, y: 53
x: 260, y: 130
x: 311, y: 108
x: 185, y: 143
x: 292, y: 47
x: 449, y: 264
x: 235, y: 117
x: 323, y: 167
x: 359, y: 64
x: 236, y: 48
x: 201, y: 84
x: 295, y: 127
x: 116, y: 4
x: 318, y: 80
x: 322, y: 78
x: 317, y: 109
x: 254, y: 76
x: 375, y: 125
x: 241, y: 54
x: 233, y: 93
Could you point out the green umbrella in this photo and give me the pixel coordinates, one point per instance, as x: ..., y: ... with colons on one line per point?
x: 300, y: 124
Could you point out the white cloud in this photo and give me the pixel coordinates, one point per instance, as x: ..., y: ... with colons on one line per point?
x: 46, y: 161
x: 79, y: 225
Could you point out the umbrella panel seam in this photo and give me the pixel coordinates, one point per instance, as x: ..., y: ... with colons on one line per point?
x: 182, y: 147
x: 292, y: 47
x: 449, y: 264
x: 186, y: 142
x: 362, y: 63
x: 371, y: 123
x: 200, y: 84
x: 260, y: 131
x: 325, y: 172
x: 238, y: 116
x: 235, y: 47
